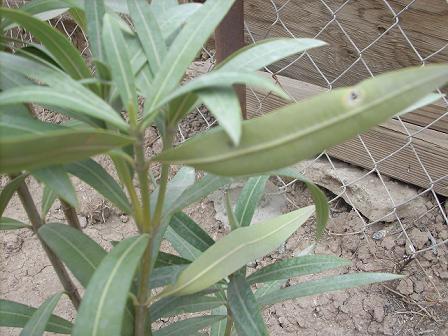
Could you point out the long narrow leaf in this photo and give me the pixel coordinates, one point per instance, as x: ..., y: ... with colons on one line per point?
x: 219, y: 328
x: 162, y: 276
x: 98, y: 178
x: 189, y: 326
x: 184, y: 248
x: 250, y: 196
x: 37, y: 324
x: 37, y: 151
x: 57, y: 179
x: 81, y: 254
x: 288, y: 268
x: 104, y: 303
x: 48, y: 198
x: 148, y: 32
x: 244, y: 308
x: 95, y: 10
x: 9, y: 190
x: 298, y: 131
x: 120, y: 64
x: 7, y: 223
x: 186, y: 46
x: 14, y: 314
x: 325, y: 285
x: 235, y: 250
x: 63, y: 51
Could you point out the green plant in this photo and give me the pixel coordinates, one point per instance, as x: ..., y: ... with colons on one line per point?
x: 150, y: 61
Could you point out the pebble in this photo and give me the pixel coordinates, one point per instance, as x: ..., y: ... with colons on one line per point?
x: 378, y: 235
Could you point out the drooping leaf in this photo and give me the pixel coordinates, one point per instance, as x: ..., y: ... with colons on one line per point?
x: 37, y: 324
x: 120, y: 64
x: 244, y: 308
x: 177, y: 305
x: 48, y: 198
x: 57, y: 179
x: 235, y: 250
x: 104, y: 303
x: 185, y: 47
x: 57, y: 44
x: 188, y: 326
x: 80, y: 253
x: 324, y: 285
x: 61, y: 98
x: 298, y: 131
x: 288, y: 268
x: 257, y: 56
x: 98, y: 178
x: 34, y: 151
x: 9, y: 190
x: 148, y: 32
x: 319, y: 198
x: 7, y: 223
x: 95, y: 10
x: 250, y: 196
x: 16, y: 315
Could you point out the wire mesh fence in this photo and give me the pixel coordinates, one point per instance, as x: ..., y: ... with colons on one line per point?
x: 327, y: 69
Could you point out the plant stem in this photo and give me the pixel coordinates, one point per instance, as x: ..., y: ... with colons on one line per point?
x: 36, y: 222
x: 70, y: 215
x: 229, y: 323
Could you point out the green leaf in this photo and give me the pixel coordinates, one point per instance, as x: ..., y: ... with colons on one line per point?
x: 162, y: 276
x: 298, y: 131
x: 80, y: 253
x: 16, y: 315
x: 219, y: 328
x: 48, y: 198
x: 37, y: 323
x: 185, y: 47
x: 188, y: 326
x: 79, y: 17
x: 12, y: 224
x: 224, y: 105
x: 233, y: 222
x: 98, y: 178
x: 104, y: 303
x: 325, y: 285
x: 259, y: 55
x: 288, y: 268
x: 183, y: 247
x: 120, y: 64
x: 235, y: 250
x: 427, y: 100
x: 65, y: 99
x: 57, y: 179
x: 179, y: 107
x: 57, y: 44
x: 171, y: 20
x: 269, y: 288
x: 244, y: 308
x: 35, y: 151
x: 95, y: 10
x: 149, y: 33
x: 190, y: 231
x: 167, y: 259
x: 177, y: 305
x: 250, y: 196
x: 9, y: 190
x: 319, y: 198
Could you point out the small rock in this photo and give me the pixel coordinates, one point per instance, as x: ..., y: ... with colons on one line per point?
x: 124, y: 218
x: 388, y: 243
x: 418, y: 238
x: 83, y: 221
x: 443, y: 275
x: 405, y: 286
x: 378, y: 235
x: 419, y: 286
x: 410, y: 249
x: 12, y: 243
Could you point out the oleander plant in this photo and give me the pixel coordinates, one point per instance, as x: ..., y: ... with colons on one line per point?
x: 135, y: 284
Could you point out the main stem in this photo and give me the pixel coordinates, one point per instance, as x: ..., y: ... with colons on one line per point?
x: 142, y: 318
x: 70, y: 215
x: 229, y: 324
x: 36, y: 222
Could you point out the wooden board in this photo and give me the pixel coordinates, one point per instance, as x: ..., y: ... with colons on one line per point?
x: 364, y: 36
x: 391, y: 137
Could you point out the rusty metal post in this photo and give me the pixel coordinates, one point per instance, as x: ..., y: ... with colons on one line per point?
x: 229, y: 37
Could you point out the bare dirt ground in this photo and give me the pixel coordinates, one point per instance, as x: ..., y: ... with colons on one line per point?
x: 415, y: 305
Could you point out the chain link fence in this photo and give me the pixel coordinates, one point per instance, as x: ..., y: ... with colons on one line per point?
x: 350, y: 58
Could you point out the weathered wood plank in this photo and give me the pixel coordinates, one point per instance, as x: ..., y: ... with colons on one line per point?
x: 364, y: 38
